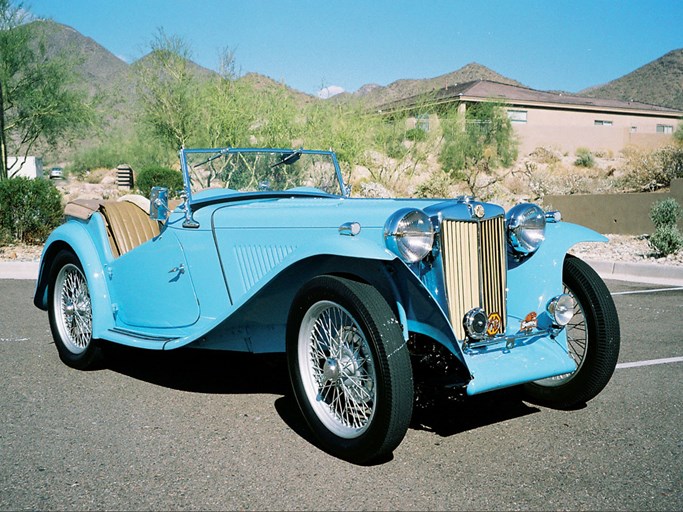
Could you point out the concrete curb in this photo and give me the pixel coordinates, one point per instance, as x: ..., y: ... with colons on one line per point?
x: 19, y: 270
x: 652, y: 273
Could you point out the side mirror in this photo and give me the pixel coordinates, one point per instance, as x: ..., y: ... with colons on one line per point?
x: 158, y: 204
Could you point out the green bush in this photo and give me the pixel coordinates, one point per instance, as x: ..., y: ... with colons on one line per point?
x: 584, y: 158
x: 666, y: 240
x: 29, y: 210
x: 106, y: 157
x: 416, y: 134
x: 157, y: 176
x: 665, y: 212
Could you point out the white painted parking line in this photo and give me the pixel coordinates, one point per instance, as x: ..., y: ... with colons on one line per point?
x: 649, y: 291
x: 651, y: 362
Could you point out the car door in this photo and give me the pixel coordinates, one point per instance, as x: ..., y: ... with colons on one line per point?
x: 151, y: 285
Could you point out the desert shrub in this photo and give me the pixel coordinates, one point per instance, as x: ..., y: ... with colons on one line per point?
x: 666, y: 240
x: 544, y: 155
x: 29, y: 210
x: 388, y: 138
x: 654, y: 169
x: 157, y: 176
x: 672, y: 162
x: 678, y: 135
x: 584, y: 158
x: 665, y: 212
x: 438, y: 185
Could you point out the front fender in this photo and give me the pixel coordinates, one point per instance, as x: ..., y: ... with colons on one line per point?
x: 75, y: 236
x: 535, y: 280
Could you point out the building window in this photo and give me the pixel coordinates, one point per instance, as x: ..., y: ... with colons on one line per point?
x: 634, y: 129
x: 422, y: 122
x: 517, y: 116
x: 602, y: 122
x: 665, y: 128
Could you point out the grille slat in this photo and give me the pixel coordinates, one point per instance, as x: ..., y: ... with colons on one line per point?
x: 474, y: 262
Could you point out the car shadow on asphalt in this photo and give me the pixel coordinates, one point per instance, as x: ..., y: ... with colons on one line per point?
x: 202, y: 371
x: 446, y: 417
x: 221, y: 372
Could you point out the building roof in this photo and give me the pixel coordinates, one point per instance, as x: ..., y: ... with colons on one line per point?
x: 482, y: 90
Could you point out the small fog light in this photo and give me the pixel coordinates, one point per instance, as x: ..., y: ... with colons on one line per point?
x: 475, y: 323
x: 561, y: 308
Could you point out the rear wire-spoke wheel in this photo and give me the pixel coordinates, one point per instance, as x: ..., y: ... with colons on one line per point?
x: 593, y: 340
x: 350, y: 368
x: 70, y: 311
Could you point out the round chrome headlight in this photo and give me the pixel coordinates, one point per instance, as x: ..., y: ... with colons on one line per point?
x: 561, y: 308
x: 474, y: 322
x: 525, y: 227
x: 409, y: 233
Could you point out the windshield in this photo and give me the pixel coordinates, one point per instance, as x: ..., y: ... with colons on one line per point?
x: 249, y: 170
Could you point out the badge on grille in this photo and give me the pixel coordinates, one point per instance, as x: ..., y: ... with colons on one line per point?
x: 493, y: 324
x: 479, y: 211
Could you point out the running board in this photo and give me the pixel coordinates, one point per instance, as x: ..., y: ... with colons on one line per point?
x: 136, y: 338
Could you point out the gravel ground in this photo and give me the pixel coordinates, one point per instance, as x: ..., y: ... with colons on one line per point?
x: 625, y: 248
x: 619, y: 248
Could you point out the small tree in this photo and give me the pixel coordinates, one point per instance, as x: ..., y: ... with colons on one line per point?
x: 226, y: 108
x: 167, y: 90
x: 474, y: 146
x: 39, y: 99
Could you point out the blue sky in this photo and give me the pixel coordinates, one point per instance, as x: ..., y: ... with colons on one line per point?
x: 565, y: 45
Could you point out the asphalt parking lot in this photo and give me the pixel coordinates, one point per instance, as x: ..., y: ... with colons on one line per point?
x: 207, y: 431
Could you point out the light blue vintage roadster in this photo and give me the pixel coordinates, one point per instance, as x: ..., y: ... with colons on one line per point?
x: 376, y: 302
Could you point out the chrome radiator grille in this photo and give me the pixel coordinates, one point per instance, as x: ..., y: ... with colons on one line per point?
x: 474, y: 260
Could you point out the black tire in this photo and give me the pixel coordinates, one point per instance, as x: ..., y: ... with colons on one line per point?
x: 350, y: 369
x: 593, y: 340
x: 70, y: 312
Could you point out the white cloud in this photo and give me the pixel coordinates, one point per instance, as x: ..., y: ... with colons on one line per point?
x: 328, y: 92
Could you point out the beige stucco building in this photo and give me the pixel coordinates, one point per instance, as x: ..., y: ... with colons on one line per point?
x: 562, y: 121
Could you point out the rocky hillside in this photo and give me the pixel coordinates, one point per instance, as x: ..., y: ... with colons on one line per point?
x: 114, y: 79
x: 659, y: 82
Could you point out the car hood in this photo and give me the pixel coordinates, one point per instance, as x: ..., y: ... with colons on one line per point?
x: 330, y: 212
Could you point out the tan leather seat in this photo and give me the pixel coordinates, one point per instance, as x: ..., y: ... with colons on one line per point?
x: 128, y: 226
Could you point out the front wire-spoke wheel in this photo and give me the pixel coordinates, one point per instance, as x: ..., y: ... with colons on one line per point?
x: 593, y: 340
x: 70, y: 311
x: 350, y: 368
x: 337, y: 369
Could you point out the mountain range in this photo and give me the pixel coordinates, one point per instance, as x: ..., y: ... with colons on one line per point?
x: 659, y: 82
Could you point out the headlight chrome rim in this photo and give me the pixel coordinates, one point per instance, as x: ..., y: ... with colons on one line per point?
x: 526, y: 228
x: 409, y: 233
